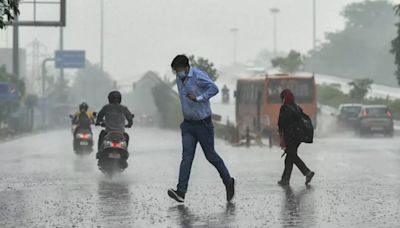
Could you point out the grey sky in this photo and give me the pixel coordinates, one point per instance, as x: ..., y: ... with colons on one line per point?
x: 144, y: 35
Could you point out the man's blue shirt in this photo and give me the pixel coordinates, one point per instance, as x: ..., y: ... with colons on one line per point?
x: 200, y: 85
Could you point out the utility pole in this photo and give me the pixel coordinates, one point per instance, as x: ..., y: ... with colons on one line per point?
x: 234, y: 31
x: 275, y: 12
x: 61, y: 49
x: 36, y: 48
x: 314, y: 25
x: 44, y: 74
x: 16, y: 48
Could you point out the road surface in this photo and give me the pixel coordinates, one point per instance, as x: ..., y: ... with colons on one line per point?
x: 43, y: 184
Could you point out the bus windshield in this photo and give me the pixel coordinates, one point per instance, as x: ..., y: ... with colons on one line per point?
x: 303, y: 89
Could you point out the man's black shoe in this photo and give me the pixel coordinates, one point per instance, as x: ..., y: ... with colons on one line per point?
x: 176, y: 195
x: 230, y: 190
x: 283, y: 182
x: 309, y: 177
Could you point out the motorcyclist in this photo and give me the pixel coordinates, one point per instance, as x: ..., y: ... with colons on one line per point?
x: 113, y: 116
x: 83, y: 118
x: 225, y: 94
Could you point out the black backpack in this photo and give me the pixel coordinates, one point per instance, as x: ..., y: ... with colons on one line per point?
x: 303, y: 129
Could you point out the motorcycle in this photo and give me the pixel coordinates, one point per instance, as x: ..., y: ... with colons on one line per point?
x: 113, y: 153
x: 82, y: 139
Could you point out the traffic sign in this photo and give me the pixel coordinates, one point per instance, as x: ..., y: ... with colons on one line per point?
x: 70, y: 59
x: 8, y: 92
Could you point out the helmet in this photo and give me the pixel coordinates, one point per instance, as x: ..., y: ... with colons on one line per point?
x: 114, y: 97
x: 83, y: 106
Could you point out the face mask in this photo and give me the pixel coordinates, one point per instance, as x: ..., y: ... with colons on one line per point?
x: 181, y: 74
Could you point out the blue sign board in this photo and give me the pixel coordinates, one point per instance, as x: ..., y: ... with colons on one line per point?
x: 8, y: 92
x: 70, y: 59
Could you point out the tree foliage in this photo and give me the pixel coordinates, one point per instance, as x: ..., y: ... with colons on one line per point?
x: 289, y: 64
x: 167, y: 102
x: 205, y: 65
x: 360, y: 88
x: 362, y: 48
x: 9, y: 9
x: 8, y: 107
x: 396, y: 47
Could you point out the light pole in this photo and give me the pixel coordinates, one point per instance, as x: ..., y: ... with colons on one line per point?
x: 102, y: 35
x: 274, y: 12
x: 234, y: 32
x: 314, y: 25
x: 61, y: 49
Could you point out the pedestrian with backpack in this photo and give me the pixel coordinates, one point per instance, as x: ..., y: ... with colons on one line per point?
x: 295, y: 127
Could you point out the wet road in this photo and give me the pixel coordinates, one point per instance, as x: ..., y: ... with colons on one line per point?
x: 43, y: 184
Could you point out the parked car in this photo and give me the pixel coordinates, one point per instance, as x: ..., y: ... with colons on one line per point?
x: 375, y: 119
x: 347, y: 114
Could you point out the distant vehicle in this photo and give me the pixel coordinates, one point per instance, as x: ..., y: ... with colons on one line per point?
x: 225, y: 95
x: 258, y: 102
x: 145, y: 120
x: 347, y: 114
x: 375, y: 119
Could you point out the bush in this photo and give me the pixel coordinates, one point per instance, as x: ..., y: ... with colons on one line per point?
x: 331, y: 95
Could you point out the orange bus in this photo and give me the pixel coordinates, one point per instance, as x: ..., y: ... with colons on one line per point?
x: 258, y: 102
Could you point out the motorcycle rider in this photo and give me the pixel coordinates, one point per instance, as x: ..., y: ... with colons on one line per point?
x: 83, y: 119
x: 225, y: 94
x: 113, y: 115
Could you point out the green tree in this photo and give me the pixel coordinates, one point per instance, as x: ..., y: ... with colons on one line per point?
x: 331, y: 95
x: 8, y: 107
x: 360, y: 88
x: 167, y: 102
x: 362, y: 48
x: 396, y: 47
x: 292, y: 63
x: 206, y: 65
x: 8, y: 11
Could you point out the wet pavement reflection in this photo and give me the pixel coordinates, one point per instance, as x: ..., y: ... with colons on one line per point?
x: 188, y: 218
x: 114, y: 202
x: 295, y: 212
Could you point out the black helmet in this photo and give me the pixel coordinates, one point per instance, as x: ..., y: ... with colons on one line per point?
x: 83, y: 106
x: 114, y: 97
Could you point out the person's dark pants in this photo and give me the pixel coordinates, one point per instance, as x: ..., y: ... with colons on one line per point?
x: 293, y: 158
x: 202, y: 132
x: 103, y: 134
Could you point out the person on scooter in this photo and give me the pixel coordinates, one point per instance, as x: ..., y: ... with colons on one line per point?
x: 83, y: 119
x: 113, y: 115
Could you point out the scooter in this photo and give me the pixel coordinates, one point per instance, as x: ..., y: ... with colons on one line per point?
x: 82, y: 139
x: 113, y: 154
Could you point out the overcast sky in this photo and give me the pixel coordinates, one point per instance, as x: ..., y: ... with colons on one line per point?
x: 143, y: 35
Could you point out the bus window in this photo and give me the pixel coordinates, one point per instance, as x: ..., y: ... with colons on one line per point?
x: 303, y: 89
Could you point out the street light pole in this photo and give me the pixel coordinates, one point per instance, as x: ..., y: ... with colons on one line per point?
x: 102, y: 36
x: 16, y: 48
x: 314, y: 25
x: 61, y: 49
x: 234, y: 31
x: 274, y: 12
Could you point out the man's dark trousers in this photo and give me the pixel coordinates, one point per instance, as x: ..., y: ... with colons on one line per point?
x: 202, y: 132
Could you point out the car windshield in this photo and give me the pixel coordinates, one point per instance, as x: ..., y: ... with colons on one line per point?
x: 351, y: 110
x: 303, y: 89
x: 377, y: 112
